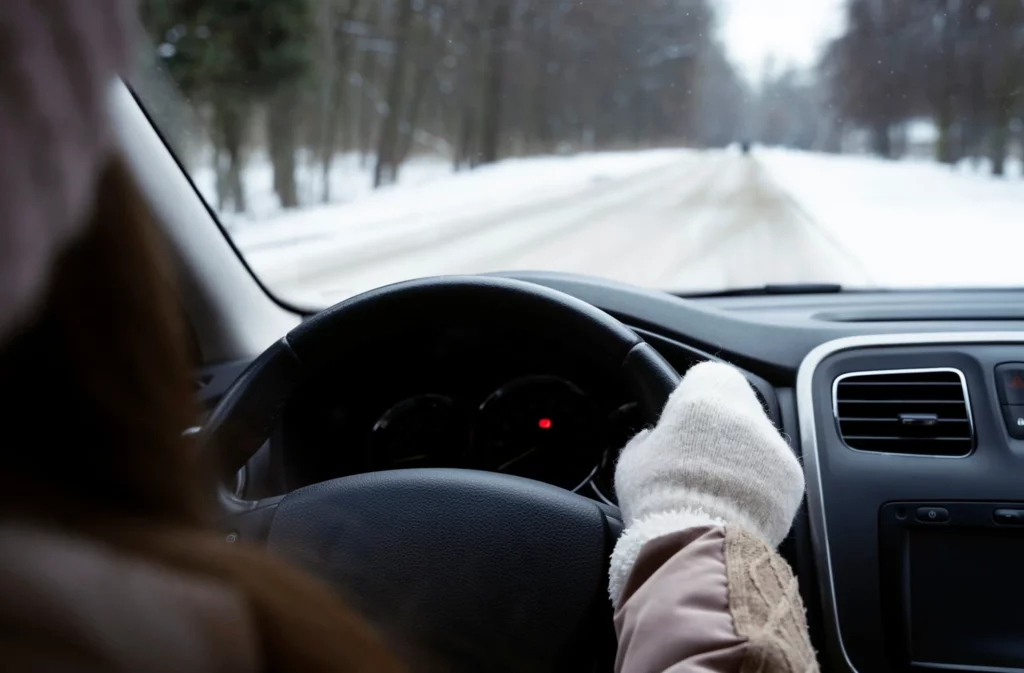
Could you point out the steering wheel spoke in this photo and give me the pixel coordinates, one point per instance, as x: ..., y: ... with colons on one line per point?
x: 248, y: 520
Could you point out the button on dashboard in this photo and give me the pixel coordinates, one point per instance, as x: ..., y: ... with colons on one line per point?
x: 1013, y: 414
x: 1010, y: 382
x: 1009, y: 517
x: 932, y: 514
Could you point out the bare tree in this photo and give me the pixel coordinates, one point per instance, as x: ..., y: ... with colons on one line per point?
x: 956, y: 62
x: 494, y: 89
x: 476, y: 79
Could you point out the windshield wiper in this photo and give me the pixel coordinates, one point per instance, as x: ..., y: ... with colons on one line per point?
x: 769, y: 289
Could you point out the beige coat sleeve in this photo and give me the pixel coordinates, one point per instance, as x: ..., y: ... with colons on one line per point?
x: 712, y: 599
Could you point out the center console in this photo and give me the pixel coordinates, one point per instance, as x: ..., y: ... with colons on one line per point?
x: 951, y: 597
x: 913, y: 448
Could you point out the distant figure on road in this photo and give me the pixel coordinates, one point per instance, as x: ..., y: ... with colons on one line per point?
x: 745, y: 146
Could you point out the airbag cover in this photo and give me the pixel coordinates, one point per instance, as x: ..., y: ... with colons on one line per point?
x: 477, y: 567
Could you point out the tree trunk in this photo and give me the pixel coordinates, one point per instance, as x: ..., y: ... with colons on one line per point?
x: 541, y: 99
x: 367, y: 107
x: 219, y: 174
x: 880, y: 141
x: 999, y: 138
x: 899, y: 142
x: 408, y: 135
x: 427, y: 67
x: 332, y: 129
x: 468, y: 94
x: 490, y: 123
x: 386, y: 170
x: 231, y: 123
x: 945, y: 148
x: 281, y: 125
x: 328, y: 77
x: 337, y: 54
x: 467, y: 132
x: 325, y: 176
x: 368, y: 69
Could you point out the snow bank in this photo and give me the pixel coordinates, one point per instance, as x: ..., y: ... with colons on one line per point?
x: 911, y: 223
x: 350, y: 178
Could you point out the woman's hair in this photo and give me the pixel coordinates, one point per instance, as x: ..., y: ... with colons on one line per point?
x: 97, y: 395
x: 98, y: 384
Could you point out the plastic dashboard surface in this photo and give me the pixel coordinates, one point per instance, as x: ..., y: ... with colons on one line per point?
x: 793, y: 347
x: 848, y: 489
x: 814, y: 339
x: 771, y: 335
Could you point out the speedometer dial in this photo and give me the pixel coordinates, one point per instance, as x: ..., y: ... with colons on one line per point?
x: 422, y: 431
x: 541, y: 427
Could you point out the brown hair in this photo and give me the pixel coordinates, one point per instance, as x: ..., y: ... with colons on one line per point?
x: 98, y: 393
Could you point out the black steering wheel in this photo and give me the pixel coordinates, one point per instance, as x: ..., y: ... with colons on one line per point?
x: 475, y: 568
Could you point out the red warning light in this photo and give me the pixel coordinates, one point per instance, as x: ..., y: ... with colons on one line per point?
x: 544, y: 424
x: 1017, y: 382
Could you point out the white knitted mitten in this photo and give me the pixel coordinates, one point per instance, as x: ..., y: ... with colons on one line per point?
x: 713, y: 458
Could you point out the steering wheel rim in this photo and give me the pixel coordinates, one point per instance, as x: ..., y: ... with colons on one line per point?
x: 241, y: 422
x: 331, y: 529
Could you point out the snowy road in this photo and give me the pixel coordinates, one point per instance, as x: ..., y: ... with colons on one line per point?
x: 696, y: 220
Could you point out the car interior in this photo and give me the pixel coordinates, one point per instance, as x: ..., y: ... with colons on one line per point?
x: 454, y: 438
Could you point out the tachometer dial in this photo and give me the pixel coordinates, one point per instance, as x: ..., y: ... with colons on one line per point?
x: 541, y: 427
x: 422, y: 431
x: 623, y: 424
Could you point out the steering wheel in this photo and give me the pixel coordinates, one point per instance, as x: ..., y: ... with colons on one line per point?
x: 473, y: 567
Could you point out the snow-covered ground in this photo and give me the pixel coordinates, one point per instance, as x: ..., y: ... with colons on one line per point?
x: 911, y: 223
x: 428, y: 207
x: 675, y: 219
x: 350, y: 178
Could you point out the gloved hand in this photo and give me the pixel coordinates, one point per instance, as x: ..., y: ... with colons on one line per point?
x: 714, y: 458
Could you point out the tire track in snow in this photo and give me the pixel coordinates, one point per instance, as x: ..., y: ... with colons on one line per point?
x: 728, y: 226
x: 482, y: 249
x: 757, y: 235
x: 708, y: 221
x: 390, y: 241
x: 606, y: 244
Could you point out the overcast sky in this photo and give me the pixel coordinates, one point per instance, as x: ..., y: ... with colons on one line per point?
x: 791, y: 31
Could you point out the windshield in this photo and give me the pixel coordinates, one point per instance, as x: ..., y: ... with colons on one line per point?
x: 686, y: 145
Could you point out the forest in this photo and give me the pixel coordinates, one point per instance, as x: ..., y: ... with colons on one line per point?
x: 476, y: 81
x: 956, y: 64
x: 472, y: 80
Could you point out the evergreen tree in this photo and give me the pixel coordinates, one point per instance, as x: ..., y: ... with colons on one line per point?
x: 233, y: 56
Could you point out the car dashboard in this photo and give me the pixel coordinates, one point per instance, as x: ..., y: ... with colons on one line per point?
x: 906, y: 408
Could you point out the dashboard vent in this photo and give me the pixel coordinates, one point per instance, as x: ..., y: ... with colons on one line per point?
x: 917, y: 411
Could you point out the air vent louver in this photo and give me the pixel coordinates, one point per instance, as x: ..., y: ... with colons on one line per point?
x: 921, y: 411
